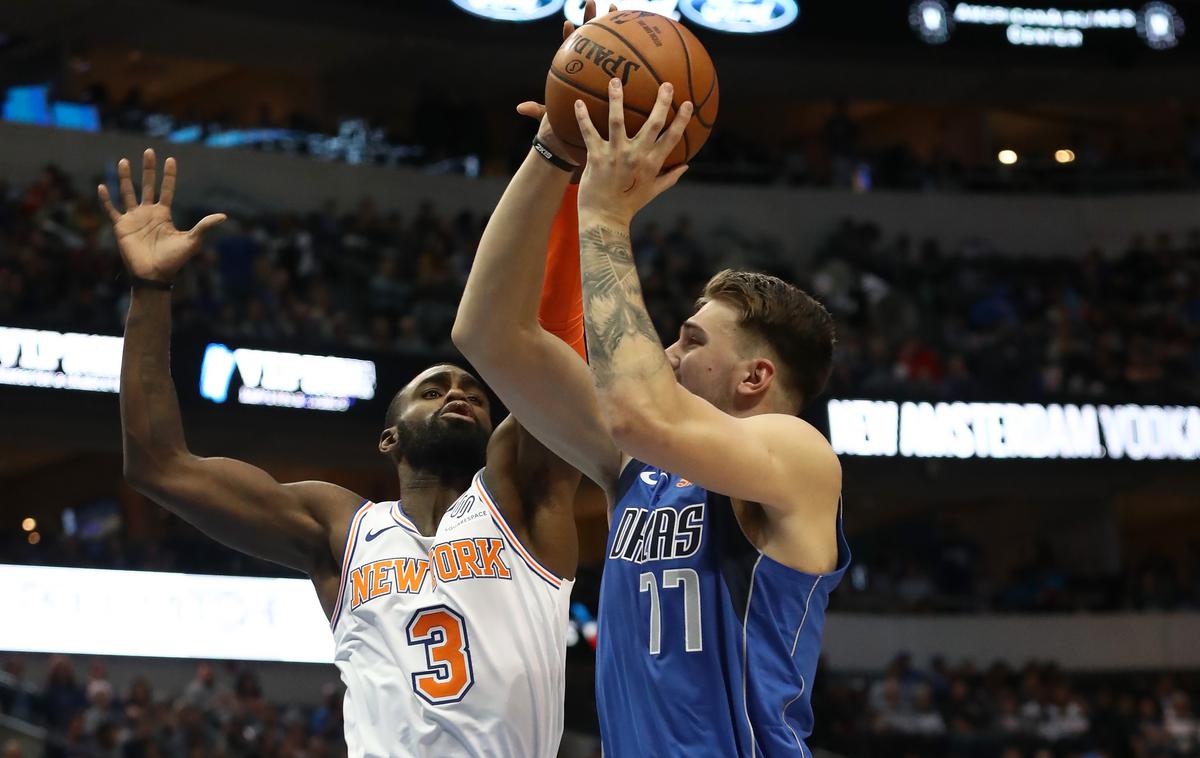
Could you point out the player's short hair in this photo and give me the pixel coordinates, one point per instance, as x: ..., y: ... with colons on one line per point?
x: 394, y: 409
x: 791, y: 322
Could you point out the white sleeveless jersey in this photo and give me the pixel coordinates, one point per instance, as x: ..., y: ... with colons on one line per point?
x: 450, y: 645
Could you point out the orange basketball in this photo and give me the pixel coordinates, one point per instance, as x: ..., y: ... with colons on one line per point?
x: 643, y: 50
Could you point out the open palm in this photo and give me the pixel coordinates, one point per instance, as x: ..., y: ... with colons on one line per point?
x: 150, y: 245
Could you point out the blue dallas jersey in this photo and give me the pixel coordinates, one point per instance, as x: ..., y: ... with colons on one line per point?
x: 706, y: 647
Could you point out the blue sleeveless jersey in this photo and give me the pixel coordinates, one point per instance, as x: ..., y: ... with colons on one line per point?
x: 706, y: 647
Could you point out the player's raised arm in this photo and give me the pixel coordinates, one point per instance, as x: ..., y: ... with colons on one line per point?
x: 650, y: 415
x: 541, y: 380
x: 235, y: 503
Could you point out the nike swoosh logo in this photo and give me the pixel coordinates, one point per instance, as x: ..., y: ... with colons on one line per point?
x: 373, y: 535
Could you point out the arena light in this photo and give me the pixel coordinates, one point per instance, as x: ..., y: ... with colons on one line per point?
x: 1064, y: 156
x: 1007, y: 157
x: 1158, y: 24
x: 931, y: 20
x: 34, y: 538
x: 741, y: 16
x: 54, y: 360
x: 574, y: 8
x: 1012, y: 430
x: 286, y: 380
x: 92, y: 612
x: 29, y: 524
x: 736, y: 16
x: 510, y: 10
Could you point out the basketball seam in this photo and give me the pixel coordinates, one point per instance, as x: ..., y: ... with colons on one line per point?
x: 687, y: 57
x: 711, y: 88
x: 587, y: 91
x: 691, y: 87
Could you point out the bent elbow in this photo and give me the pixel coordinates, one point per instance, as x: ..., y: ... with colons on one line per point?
x: 148, y: 474
x: 632, y: 422
x: 140, y: 477
x: 460, y: 335
x: 472, y: 334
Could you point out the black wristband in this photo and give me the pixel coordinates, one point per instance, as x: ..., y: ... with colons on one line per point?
x: 555, y: 161
x: 139, y: 282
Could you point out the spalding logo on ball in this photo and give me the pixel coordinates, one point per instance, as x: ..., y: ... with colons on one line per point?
x: 643, y: 50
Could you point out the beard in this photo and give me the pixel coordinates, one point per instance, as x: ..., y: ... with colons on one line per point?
x: 449, y: 450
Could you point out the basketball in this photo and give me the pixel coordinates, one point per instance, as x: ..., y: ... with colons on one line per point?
x: 643, y: 50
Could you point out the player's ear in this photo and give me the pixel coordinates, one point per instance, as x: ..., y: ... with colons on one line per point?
x: 760, y: 374
x: 389, y: 440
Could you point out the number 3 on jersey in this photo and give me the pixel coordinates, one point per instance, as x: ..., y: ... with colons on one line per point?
x: 443, y: 632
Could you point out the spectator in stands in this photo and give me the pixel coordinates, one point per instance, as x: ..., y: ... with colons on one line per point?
x: 1180, y: 725
x: 841, y: 137
x: 63, y: 697
x: 101, y: 709
x: 17, y: 698
x: 202, y: 692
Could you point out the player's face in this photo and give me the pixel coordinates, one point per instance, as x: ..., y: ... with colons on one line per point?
x: 446, y: 396
x: 705, y: 357
x: 445, y: 423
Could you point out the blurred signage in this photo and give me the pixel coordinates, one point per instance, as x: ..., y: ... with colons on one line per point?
x: 286, y: 380
x: 53, y: 360
x: 738, y: 16
x: 89, y: 612
x: 1011, y: 430
x: 356, y: 141
x: 31, y: 104
x: 146, y: 613
x: 1158, y: 24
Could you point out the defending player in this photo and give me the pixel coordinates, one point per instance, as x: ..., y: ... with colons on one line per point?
x: 725, y: 529
x: 448, y: 608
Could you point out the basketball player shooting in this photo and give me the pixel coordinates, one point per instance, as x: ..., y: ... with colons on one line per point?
x: 449, y: 607
x: 725, y: 513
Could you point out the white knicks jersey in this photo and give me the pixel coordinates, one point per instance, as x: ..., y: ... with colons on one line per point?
x: 450, y: 645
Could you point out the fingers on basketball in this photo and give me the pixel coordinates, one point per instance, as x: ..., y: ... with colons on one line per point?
x: 643, y: 51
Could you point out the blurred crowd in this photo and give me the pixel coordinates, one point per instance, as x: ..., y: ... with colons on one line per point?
x: 1037, y: 711
x: 956, y: 711
x: 970, y: 322
x: 221, y: 712
x: 947, y: 574
x: 445, y: 134
x: 913, y: 318
x: 917, y: 571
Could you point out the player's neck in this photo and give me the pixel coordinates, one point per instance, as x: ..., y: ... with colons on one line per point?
x: 426, y: 497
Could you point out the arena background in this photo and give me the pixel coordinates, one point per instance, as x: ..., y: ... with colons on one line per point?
x: 999, y: 206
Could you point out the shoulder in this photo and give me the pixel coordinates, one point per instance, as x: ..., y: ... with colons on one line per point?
x: 523, y: 472
x: 801, y: 454
x: 330, y: 504
x: 791, y: 435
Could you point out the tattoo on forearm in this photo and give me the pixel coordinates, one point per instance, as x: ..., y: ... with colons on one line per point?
x: 614, y: 312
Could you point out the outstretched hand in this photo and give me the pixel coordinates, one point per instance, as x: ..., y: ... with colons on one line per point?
x: 623, y: 173
x: 150, y: 245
